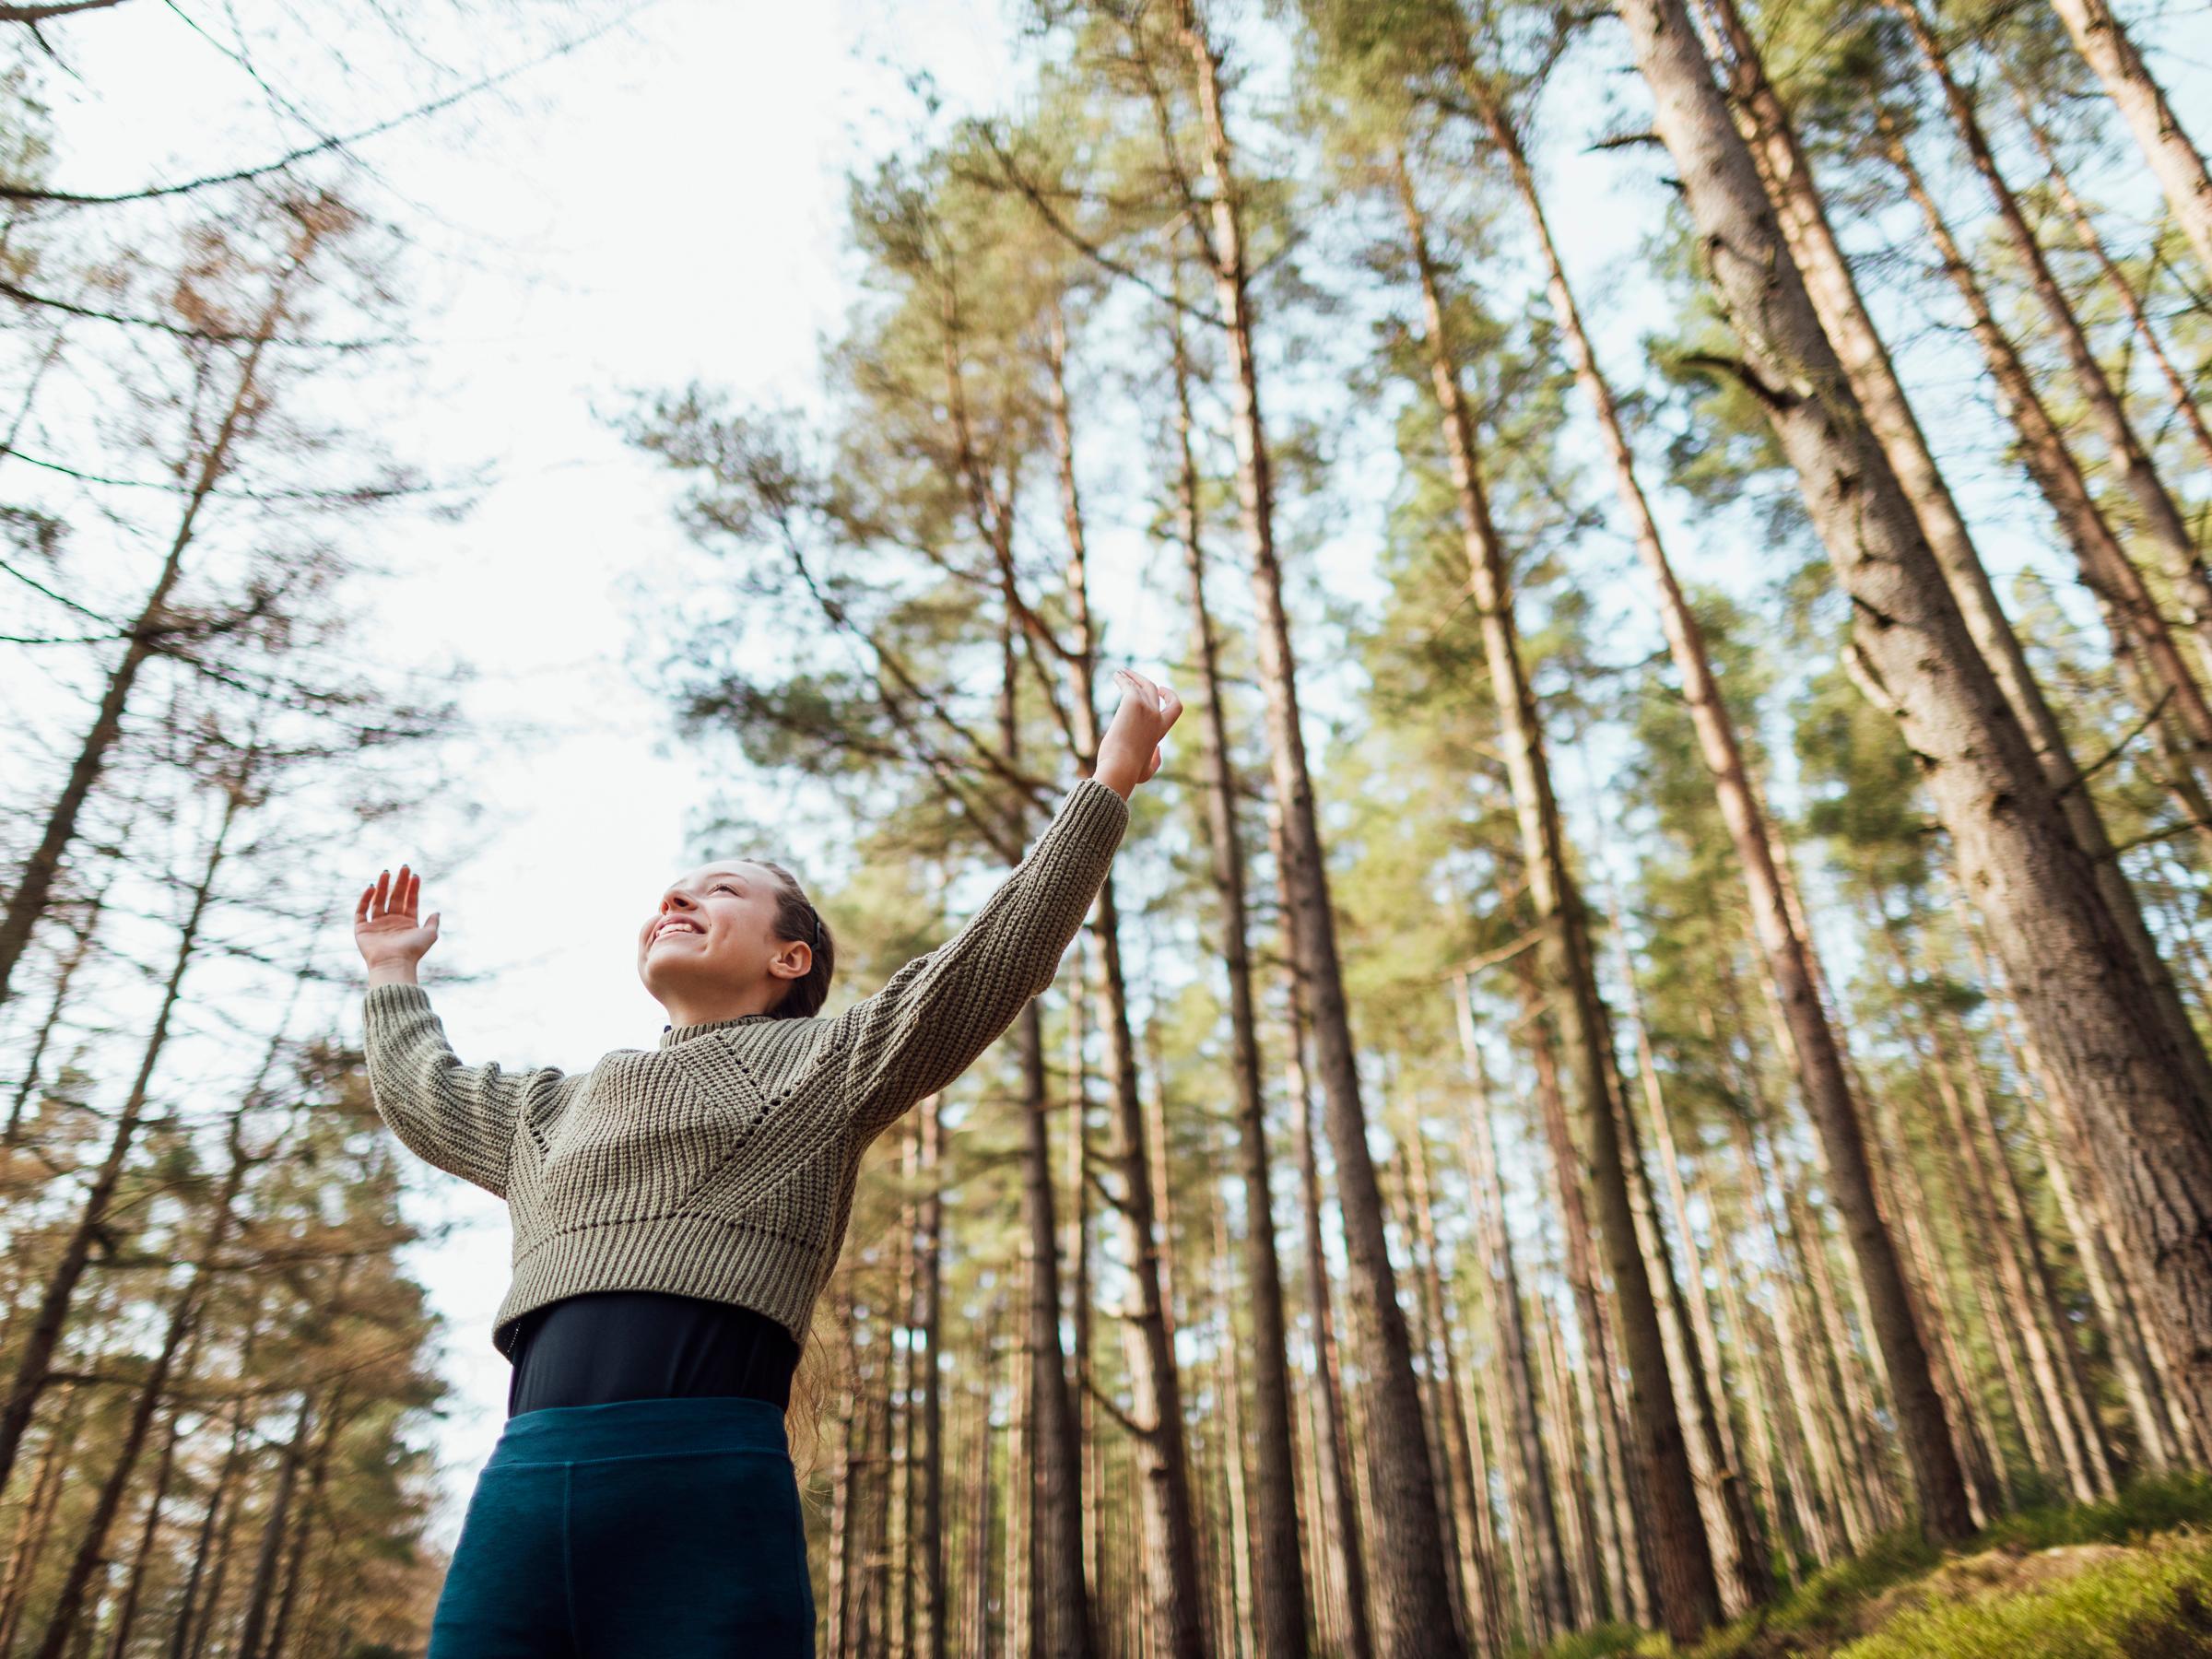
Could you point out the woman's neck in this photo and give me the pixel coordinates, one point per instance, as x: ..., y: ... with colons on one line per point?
x: 707, y: 1006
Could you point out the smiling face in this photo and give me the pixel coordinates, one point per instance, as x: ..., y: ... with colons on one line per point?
x: 713, y: 939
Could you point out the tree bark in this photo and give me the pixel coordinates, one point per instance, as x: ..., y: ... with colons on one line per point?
x: 1282, y: 1592
x: 180, y: 1337
x: 1479, y: 1571
x: 1178, y: 1601
x: 2068, y: 959
x: 2163, y: 519
x: 1339, y: 1509
x: 2177, y: 164
x: 1552, y: 1605
x: 2106, y: 568
x: 930, y: 1323
x: 2085, y: 230
x: 44, y: 1336
x: 261, y: 1591
x: 28, y: 900
x: 1690, y: 1591
x: 1813, y: 1048
x: 1412, y: 1595
x: 1802, y: 220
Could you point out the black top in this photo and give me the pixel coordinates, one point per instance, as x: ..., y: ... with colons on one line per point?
x: 646, y: 1344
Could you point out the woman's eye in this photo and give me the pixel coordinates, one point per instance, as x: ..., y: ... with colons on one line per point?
x: 724, y: 887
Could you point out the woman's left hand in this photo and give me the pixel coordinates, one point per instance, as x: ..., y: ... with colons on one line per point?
x: 1130, y: 752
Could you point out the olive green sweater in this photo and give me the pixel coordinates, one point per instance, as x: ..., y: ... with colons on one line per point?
x: 721, y: 1164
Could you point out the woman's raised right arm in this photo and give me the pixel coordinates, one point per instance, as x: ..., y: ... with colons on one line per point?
x: 462, y: 1119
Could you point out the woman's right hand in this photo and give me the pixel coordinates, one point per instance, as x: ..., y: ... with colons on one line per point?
x: 384, y: 926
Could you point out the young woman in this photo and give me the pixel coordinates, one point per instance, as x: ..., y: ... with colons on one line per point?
x: 677, y: 1212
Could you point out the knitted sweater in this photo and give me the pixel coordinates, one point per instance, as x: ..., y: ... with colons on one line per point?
x: 721, y: 1164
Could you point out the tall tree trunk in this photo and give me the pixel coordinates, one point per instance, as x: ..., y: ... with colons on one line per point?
x: 1817, y: 1055
x: 2106, y: 568
x: 2180, y: 169
x: 28, y: 900
x: 930, y: 1325
x: 2066, y: 957
x: 2163, y: 519
x: 1479, y: 1571
x: 80, y: 947
x: 2178, y: 393
x: 125, y: 1624
x: 1774, y: 1466
x: 1237, y: 1612
x: 983, y: 1516
x: 180, y: 1337
x: 1025, y: 1505
x: 1606, y: 1548
x: 1339, y: 1517
x: 1824, y: 1481
x: 1689, y: 1592
x: 44, y: 1336
x: 275, y: 1527
x: 288, y: 1598
x: 842, y: 1546
x: 2015, y: 1211
x: 1178, y: 1601
x: 1282, y: 1592
x: 1060, y: 1616
x: 1411, y: 1586
x: 1551, y: 1603
x: 35, y: 1523
x: 1802, y: 221
x: 899, y: 1634
x: 1723, y: 1501
x: 2100, y: 1272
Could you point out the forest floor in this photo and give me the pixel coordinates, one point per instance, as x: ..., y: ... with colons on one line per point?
x: 2131, y: 1579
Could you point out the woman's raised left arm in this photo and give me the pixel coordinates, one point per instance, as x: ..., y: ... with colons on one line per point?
x: 939, y: 1012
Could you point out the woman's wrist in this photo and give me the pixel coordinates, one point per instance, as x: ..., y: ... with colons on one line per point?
x: 391, y: 973
x: 1122, y: 779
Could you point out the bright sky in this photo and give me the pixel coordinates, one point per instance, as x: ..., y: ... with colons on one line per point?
x: 666, y: 204
x: 662, y: 205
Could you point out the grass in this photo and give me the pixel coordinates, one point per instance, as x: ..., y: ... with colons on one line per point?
x: 2128, y: 1579
x: 2154, y: 1601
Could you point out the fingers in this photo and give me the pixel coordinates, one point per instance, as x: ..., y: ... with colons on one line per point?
x: 1155, y: 696
x: 389, y: 895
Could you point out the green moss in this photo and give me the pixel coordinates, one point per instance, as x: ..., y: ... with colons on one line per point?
x: 2165, y: 1504
x: 1611, y: 1642
x: 1986, y: 1600
x: 1820, y: 1609
x: 2155, y: 1603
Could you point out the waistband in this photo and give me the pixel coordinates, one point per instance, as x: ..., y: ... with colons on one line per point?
x: 641, y: 1428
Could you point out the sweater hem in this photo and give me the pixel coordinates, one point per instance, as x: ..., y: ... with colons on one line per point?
x: 715, y: 1258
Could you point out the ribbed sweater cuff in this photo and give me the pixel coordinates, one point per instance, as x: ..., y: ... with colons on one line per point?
x: 1093, y: 808
x: 401, y: 999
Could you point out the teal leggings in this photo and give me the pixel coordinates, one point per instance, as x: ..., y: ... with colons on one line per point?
x: 640, y: 1529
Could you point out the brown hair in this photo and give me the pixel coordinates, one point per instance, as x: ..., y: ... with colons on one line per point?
x: 819, y: 1377
x: 818, y: 1374
x: 797, y: 919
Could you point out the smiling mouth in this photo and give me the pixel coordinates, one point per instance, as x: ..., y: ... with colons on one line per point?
x: 666, y: 929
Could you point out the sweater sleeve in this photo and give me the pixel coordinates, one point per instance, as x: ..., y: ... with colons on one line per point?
x: 938, y: 1013
x: 458, y: 1118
